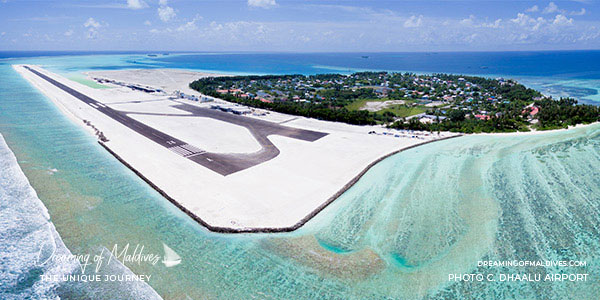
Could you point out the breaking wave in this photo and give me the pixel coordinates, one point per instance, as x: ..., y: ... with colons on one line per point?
x: 28, y: 238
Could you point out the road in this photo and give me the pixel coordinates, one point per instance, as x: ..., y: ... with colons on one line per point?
x: 224, y: 164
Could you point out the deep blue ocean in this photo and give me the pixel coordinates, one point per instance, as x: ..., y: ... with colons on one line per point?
x: 556, y: 73
x: 563, y: 64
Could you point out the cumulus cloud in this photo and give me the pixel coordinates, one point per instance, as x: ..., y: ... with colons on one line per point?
x: 92, y: 26
x: 551, y: 8
x: 136, y: 4
x: 189, y: 26
x: 562, y: 20
x: 165, y: 12
x: 413, y: 22
x: 382, y: 30
x: 528, y: 22
x: 262, y: 3
x: 495, y: 24
x: 534, y: 8
x: 91, y: 23
x: 469, y: 21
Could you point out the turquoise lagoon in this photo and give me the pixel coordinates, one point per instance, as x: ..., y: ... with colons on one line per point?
x: 412, y: 220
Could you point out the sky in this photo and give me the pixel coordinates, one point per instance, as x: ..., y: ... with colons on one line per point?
x: 299, y: 25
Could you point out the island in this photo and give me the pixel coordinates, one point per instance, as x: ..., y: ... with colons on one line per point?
x: 268, y: 153
x: 437, y: 102
x: 231, y: 167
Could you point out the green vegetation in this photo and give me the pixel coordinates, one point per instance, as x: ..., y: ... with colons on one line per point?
x: 565, y: 112
x: 403, y: 111
x: 462, y: 103
x: 360, y: 103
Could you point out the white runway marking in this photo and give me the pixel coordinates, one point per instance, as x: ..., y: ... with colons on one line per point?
x: 186, y: 150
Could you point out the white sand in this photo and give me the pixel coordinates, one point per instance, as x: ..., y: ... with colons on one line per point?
x: 278, y: 193
x: 537, y: 132
x: 374, y: 106
x: 168, y: 80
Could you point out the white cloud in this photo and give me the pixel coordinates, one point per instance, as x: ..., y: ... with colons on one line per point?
x: 189, y: 26
x: 469, y: 21
x: 579, y: 13
x: 528, y: 22
x: 521, y: 19
x: 495, y: 24
x: 147, y: 23
x: 166, y: 13
x: 413, y: 22
x: 370, y: 30
x: 562, y: 20
x: 91, y: 23
x: 69, y: 32
x: 551, y: 8
x: 262, y: 3
x: 524, y: 32
x: 534, y: 8
x: 92, y: 26
x: 136, y: 4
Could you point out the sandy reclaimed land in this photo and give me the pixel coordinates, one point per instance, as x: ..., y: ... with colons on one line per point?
x: 280, y: 194
x: 237, y: 140
x: 168, y: 80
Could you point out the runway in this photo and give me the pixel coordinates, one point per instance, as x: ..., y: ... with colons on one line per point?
x: 224, y: 164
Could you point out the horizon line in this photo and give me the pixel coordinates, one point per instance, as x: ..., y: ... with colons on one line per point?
x: 296, y: 52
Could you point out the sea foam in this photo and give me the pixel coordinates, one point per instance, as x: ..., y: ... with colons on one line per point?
x: 28, y: 238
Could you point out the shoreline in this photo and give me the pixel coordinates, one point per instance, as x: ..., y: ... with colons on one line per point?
x: 61, y: 107
x: 219, y: 213
x: 533, y: 132
x: 296, y: 226
x: 105, y: 74
x: 30, y: 215
x: 316, y: 211
x: 277, y: 196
